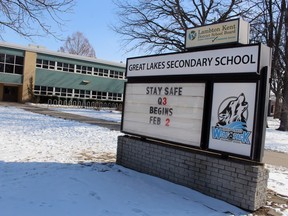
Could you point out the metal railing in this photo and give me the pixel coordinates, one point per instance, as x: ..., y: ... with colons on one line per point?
x: 84, y: 104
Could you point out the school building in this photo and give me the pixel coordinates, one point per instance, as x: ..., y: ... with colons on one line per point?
x: 28, y: 72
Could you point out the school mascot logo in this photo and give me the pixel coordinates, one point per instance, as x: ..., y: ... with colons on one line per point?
x: 232, y: 118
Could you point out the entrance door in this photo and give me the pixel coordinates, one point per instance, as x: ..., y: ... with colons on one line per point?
x: 10, y: 93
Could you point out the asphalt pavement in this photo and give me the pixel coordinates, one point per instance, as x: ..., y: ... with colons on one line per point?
x: 270, y: 157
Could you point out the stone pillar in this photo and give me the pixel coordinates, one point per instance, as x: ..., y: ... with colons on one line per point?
x: 28, y: 74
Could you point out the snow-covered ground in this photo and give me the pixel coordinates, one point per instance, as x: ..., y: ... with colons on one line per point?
x: 276, y: 140
x: 51, y: 166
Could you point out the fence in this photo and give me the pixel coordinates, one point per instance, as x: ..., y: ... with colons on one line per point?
x: 84, y: 104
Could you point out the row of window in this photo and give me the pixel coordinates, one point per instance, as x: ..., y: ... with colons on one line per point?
x: 11, y: 64
x: 73, y: 68
x: 76, y: 93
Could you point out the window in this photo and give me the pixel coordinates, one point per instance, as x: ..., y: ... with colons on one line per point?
x: 10, y: 59
x: 19, y: 60
x: 101, y: 71
x: 114, y: 96
x: 76, y: 93
x: 1, y: 67
x: 84, y: 68
x: 71, y: 68
x: 49, y: 90
x: 52, y: 65
x: 87, y: 94
x: 119, y: 97
x: 36, y: 87
x: 11, y: 64
x: 82, y: 93
x: 94, y: 94
x: 110, y: 96
x: 116, y: 74
x: 95, y: 72
x: 63, y: 92
x: 57, y: 91
x: 43, y: 90
x: 121, y: 75
x: 39, y: 63
x: 9, y: 68
x: 105, y: 73
x: 45, y: 64
x: 65, y: 67
x: 60, y: 66
x: 36, y: 90
x: 99, y: 95
x: 89, y: 70
x: 2, y: 57
x: 78, y: 68
x: 104, y: 96
x: 18, y: 69
x: 69, y: 92
x: 112, y: 73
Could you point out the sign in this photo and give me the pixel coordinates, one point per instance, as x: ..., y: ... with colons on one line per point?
x: 234, y: 31
x: 166, y: 111
x: 169, y: 98
x: 237, y: 60
x: 232, y: 120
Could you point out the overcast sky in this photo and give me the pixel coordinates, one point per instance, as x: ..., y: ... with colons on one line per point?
x: 92, y: 18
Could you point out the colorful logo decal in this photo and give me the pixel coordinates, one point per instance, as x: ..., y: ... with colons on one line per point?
x: 192, y: 35
x: 232, y: 118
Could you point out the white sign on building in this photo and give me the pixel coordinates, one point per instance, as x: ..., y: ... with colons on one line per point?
x: 233, y: 31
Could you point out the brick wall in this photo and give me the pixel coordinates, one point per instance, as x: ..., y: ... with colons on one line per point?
x: 238, y: 182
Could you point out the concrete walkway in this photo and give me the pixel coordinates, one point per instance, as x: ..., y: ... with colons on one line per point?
x: 45, y: 111
x: 270, y: 157
x: 275, y: 158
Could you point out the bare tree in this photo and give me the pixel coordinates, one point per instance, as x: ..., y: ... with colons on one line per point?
x: 160, y: 25
x: 271, y: 27
x: 29, y: 18
x: 268, y: 28
x: 78, y: 44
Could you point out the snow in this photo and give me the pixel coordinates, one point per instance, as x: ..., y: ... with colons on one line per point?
x: 51, y: 166
x: 278, y: 179
x: 276, y: 140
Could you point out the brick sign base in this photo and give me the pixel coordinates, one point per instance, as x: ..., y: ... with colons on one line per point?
x: 237, y: 182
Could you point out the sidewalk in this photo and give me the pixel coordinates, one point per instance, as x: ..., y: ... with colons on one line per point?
x: 275, y: 158
x: 45, y: 111
x: 270, y: 157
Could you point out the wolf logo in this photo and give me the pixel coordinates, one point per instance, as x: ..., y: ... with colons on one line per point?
x: 232, y: 119
x: 233, y: 111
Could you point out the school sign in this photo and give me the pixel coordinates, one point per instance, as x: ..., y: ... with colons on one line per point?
x: 214, y: 100
x: 192, y: 117
x: 230, y: 32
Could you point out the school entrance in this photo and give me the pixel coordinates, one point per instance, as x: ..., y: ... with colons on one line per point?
x: 10, y: 93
